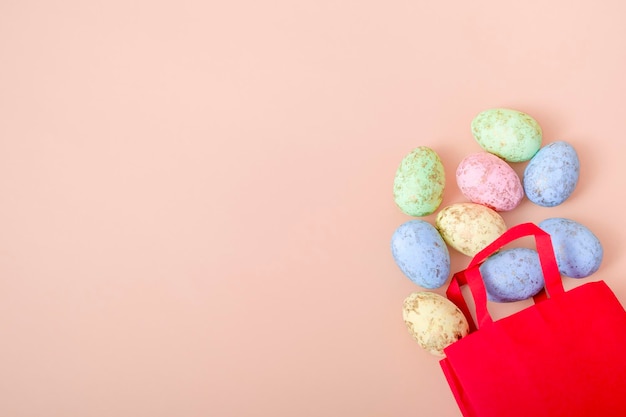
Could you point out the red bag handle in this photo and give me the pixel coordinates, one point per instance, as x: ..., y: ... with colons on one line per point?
x: 472, y: 277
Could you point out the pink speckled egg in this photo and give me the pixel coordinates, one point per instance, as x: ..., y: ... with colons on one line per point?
x: 488, y: 180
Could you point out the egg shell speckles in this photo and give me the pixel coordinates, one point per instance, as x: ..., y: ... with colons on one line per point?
x: 577, y: 250
x: 552, y: 174
x: 469, y: 227
x: 510, y: 134
x: 421, y: 253
x: 486, y: 179
x: 419, y: 182
x: 434, y: 321
x: 512, y: 275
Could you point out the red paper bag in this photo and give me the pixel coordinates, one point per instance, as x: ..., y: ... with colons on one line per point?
x: 564, y: 356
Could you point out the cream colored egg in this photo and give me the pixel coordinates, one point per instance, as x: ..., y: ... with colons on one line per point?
x: 434, y: 321
x: 469, y: 227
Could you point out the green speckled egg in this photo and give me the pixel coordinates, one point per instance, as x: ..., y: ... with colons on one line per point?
x: 419, y: 183
x: 510, y: 134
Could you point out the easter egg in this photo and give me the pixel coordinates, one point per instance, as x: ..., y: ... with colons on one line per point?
x: 469, y: 227
x: 552, y: 174
x: 510, y: 134
x: 434, y: 321
x: 419, y: 182
x: 577, y: 250
x: 512, y: 275
x: 421, y: 253
x: 486, y: 179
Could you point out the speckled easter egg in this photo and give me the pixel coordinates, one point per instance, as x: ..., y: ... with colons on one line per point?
x: 434, y: 321
x: 469, y: 227
x: 421, y: 253
x: 577, y: 250
x: 486, y: 179
x: 419, y: 182
x: 512, y: 275
x: 510, y: 134
x: 552, y: 174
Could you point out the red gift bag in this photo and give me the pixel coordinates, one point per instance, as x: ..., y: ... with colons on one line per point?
x: 564, y: 356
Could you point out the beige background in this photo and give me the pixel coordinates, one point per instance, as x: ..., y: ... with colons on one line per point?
x: 196, y: 202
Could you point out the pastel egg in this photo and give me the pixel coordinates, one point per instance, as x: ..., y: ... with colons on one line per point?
x: 512, y: 275
x: 421, y: 253
x: 434, y: 321
x: 419, y: 182
x: 510, y: 134
x: 552, y: 174
x: 577, y: 250
x: 469, y: 227
x: 486, y: 179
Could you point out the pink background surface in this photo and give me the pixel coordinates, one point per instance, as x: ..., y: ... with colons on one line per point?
x: 196, y: 201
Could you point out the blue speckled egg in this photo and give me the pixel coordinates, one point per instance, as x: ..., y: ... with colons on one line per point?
x: 512, y: 275
x: 552, y: 174
x: 577, y: 250
x: 421, y: 253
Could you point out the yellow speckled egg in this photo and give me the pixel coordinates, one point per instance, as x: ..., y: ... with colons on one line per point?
x: 434, y: 321
x: 469, y: 227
